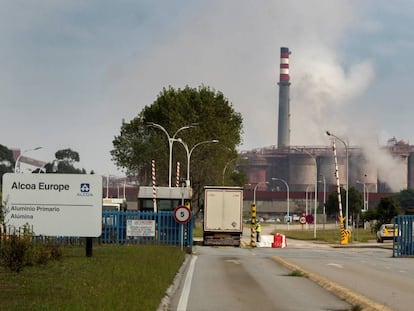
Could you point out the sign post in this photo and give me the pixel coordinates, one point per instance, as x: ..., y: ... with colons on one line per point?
x: 302, y: 221
x: 182, y: 215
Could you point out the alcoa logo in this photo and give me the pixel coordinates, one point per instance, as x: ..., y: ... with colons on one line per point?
x: 85, y: 190
x: 84, y: 187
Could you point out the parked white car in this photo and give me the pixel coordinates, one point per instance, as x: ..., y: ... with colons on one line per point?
x: 386, y: 232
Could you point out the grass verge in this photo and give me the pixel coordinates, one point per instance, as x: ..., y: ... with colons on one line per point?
x: 129, y: 277
x: 328, y: 235
x: 296, y: 273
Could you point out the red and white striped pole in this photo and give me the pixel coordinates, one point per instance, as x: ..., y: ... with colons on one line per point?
x: 177, y: 181
x: 154, y: 189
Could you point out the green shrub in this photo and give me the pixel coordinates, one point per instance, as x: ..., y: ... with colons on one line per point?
x: 56, y: 251
x: 14, y: 252
x: 41, y: 254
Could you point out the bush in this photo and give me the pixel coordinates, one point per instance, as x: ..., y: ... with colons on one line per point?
x: 14, y: 252
x: 41, y: 254
x: 18, y: 251
x: 56, y: 251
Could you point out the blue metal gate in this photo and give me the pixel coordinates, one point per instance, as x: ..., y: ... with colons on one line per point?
x: 404, y: 245
x: 167, y: 230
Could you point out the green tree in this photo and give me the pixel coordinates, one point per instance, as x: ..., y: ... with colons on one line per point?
x: 354, y: 206
x: 6, y: 161
x: 215, y: 117
x: 386, y: 210
x: 332, y: 204
x: 406, y: 200
x: 65, y: 161
x: 356, y: 203
x: 67, y: 155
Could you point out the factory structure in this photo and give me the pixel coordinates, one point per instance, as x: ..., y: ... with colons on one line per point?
x: 299, y: 166
x: 281, y: 170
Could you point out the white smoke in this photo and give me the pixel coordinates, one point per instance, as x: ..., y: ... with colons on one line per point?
x: 391, y: 169
x: 320, y: 97
x: 238, y: 53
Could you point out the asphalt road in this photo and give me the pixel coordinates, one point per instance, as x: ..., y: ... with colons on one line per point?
x: 337, y: 277
x: 228, y: 278
x: 367, y: 270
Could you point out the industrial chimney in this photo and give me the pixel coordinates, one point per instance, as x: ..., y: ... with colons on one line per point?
x: 283, y: 135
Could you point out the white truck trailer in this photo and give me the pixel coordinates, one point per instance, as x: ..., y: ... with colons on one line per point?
x: 223, y: 215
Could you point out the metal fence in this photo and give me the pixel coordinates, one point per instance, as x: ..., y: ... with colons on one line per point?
x: 404, y: 244
x: 118, y: 227
x: 156, y: 228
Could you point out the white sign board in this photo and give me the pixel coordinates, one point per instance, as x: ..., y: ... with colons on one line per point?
x: 54, y: 204
x: 138, y: 227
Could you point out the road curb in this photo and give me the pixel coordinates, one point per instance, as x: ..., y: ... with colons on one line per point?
x: 340, y: 291
x: 165, y: 301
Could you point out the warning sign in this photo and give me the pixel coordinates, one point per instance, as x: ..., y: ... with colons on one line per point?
x: 138, y: 227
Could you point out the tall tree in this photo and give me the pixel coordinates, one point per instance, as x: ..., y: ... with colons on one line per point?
x: 138, y: 144
x: 406, y: 200
x: 67, y: 155
x: 356, y: 203
x: 6, y: 161
x: 387, y: 209
x: 332, y: 204
x: 354, y: 206
x: 66, y: 158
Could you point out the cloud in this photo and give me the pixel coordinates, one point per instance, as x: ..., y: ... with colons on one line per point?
x: 103, y: 62
x: 238, y: 54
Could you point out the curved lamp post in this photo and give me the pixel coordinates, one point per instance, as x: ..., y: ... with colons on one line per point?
x: 228, y: 163
x: 17, y: 164
x: 347, y: 175
x: 54, y: 165
x: 287, y: 197
x: 255, y: 188
x: 171, y: 140
x: 190, y: 151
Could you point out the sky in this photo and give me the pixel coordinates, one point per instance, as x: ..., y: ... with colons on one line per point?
x: 71, y: 71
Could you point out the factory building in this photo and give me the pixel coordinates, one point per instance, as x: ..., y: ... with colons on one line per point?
x: 300, y: 166
x: 296, y: 166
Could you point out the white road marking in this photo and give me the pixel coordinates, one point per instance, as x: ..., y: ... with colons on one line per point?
x: 336, y: 265
x: 182, y: 304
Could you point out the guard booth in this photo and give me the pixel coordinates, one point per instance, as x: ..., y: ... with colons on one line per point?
x: 114, y: 204
x: 166, y: 198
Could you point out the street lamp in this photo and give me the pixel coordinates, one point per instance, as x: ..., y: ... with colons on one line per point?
x: 190, y: 151
x: 365, y: 194
x: 324, y: 200
x: 306, y: 204
x: 228, y: 163
x: 347, y: 175
x: 287, y: 197
x: 170, y: 143
x: 254, y: 190
x: 17, y: 164
x: 316, y: 187
x: 54, y: 166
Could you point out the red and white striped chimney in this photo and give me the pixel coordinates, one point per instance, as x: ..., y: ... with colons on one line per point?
x: 283, y: 135
x: 284, y: 64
